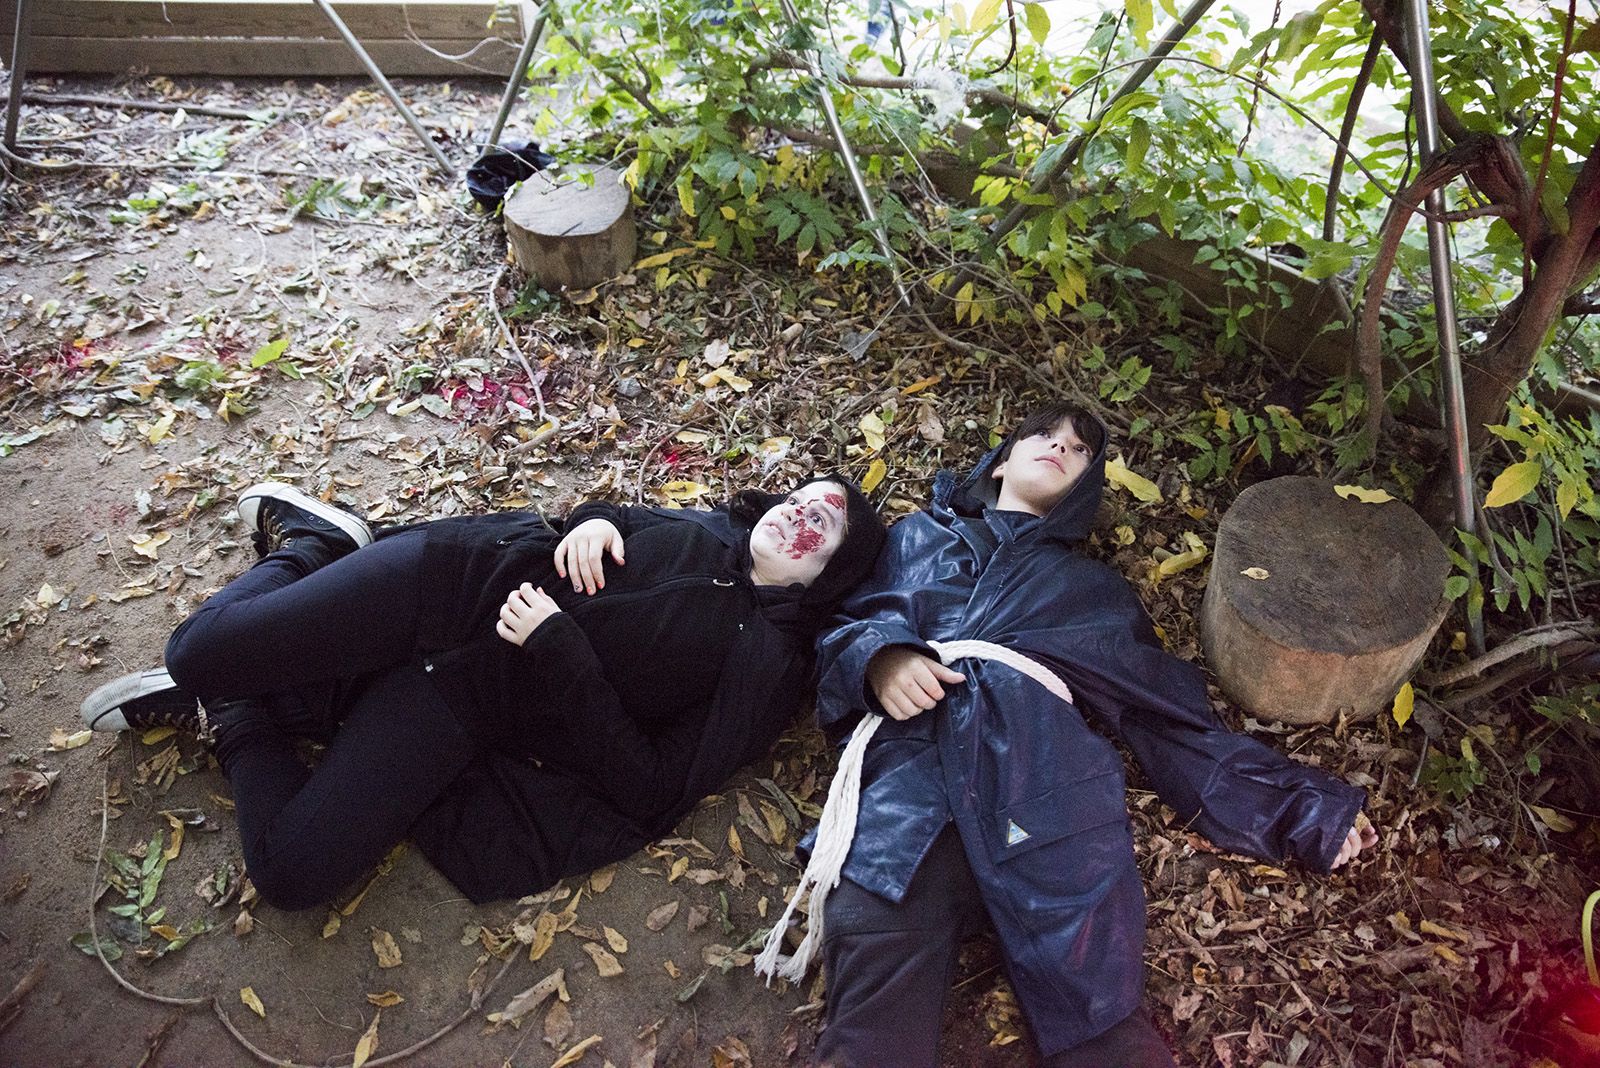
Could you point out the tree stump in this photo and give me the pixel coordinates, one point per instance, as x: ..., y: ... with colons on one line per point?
x: 1318, y: 605
x: 564, y: 232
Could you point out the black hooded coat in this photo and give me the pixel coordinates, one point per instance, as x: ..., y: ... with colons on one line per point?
x: 1036, y: 794
x: 624, y: 710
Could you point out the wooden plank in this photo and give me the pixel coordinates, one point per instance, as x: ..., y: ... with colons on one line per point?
x: 377, y: 19
x: 271, y: 57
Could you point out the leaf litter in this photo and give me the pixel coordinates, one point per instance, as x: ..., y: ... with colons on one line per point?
x: 675, y: 388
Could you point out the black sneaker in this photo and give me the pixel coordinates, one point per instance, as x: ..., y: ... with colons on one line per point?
x: 143, y: 700
x: 279, y: 513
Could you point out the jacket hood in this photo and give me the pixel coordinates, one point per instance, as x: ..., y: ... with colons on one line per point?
x: 1069, y: 521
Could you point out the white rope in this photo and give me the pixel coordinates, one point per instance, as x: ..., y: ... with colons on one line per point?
x: 837, y: 828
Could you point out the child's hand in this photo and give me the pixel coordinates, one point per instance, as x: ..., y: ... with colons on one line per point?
x: 583, y: 551
x: 522, y: 613
x: 906, y: 683
x: 1362, y: 836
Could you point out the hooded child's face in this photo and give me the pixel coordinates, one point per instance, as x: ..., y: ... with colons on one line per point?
x: 795, y: 539
x: 1041, y: 469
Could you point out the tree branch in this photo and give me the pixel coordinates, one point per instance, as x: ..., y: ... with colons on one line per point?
x: 1387, y: 23
x: 1348, y: 129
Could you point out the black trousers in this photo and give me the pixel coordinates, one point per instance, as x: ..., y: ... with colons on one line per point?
x: 321, y: 646
x: 890, y: 966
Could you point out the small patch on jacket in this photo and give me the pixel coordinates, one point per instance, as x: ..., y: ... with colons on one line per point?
x: 1015, y: 835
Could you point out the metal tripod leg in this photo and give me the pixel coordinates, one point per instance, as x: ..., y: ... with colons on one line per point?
x: 383, y: 83
x: 524, y: 60
x: 19, y: 73
x: 1424, y: 103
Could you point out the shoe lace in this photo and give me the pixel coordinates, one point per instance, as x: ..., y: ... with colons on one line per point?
x: 273, y: 528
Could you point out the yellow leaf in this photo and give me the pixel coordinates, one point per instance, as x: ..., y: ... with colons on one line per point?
x: 385, y: 1000
x: 604, y: 962
x: 614, y: 939
x: 160, y: 428
x: 600, y: 880
x: 1439, y: 929
x: 1362, y: 494
x: 679, y: 866
x: 984, y: 15
x: 367, y: 1043
x: 1142, y: 488
x: 1260, y: 574
x: 149, y: 547
x: 686, y: 194
x: 1178, y: 562
x: 662, y: 258
x: 734, y: 842
x: 1404, y: 703
x: 728, y: 213
x: 331, y: 928
x: 157, y: 735
x: 1553, y: 819
x: 165, y: 930
x: 682, y: 491
x: 60, y: 740
x: 544, y: 935
x: 253, y: 1003
x: 383, y: 944
x: 176, y: 844
x: 1514, y: 483
x: 921, y: 384
x: 1447, y: 953
x: 875, y: 474
x: 872, y: 429
x: 1566, y: 497
x: 575, y: 1054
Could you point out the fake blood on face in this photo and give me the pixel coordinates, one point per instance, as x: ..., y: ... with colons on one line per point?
x: 806, y: 541
x: 835, y: 499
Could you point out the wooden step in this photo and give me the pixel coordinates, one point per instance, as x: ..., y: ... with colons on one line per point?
x: 290, y: 38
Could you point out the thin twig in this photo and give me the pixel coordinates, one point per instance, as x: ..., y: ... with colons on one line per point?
x: 1346, y: 131
x: 1518, y: 646
x: 505, y: 331
x: 86, y: 100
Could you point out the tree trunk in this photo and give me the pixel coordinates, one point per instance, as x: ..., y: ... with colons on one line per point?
x: 1318, y: 606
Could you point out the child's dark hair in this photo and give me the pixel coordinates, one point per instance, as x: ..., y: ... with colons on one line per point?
x: 1044, y: 419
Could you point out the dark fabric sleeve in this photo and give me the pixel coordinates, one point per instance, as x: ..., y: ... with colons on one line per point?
x: 626, y: 518
x: 653, y: 777
x: 1244, y: 796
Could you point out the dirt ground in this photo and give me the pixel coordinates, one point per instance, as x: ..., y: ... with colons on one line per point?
x: 140, y: 304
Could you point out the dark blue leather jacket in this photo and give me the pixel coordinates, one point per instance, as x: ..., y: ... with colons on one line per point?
x: 1036, y: 794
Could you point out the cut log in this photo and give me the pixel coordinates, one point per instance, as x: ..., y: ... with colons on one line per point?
x: 1317, y: 605
x: 564, y: 232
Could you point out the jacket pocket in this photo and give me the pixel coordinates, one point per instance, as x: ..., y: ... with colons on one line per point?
x: 1097, y: 801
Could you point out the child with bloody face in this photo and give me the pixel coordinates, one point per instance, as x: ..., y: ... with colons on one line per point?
x: 987, y: 799
x: 490, y: 686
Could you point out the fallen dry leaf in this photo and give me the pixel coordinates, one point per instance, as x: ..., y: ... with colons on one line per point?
x: 62, y: 740
x: 253, y: 1003
x: 385, y: 1000
x: 600, y: 881
x: 383, y: 944
x: 661, y: 915
x: 575, y: 1054
x: 615, y: 940
x: 604, y: 962
x: 558, y: 1025
x: 367, y: 1043
x: 531, y: 998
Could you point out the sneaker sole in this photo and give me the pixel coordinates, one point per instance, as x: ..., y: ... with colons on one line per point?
x: 102, y: 710
x: 250, y: 509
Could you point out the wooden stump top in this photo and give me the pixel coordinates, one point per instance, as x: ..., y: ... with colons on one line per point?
x: 565, y: 206
x: 1363, y: 573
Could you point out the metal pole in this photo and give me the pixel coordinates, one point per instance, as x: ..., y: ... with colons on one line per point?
x: 19, y: 71
x: 383, y: 83
x: 848, y: 154
x: 520, y: 72
x: 1426, y: 107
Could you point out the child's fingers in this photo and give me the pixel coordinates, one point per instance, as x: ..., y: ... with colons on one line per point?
x: 616, y: 549
x: 561, y: 556
x: 944, y: 674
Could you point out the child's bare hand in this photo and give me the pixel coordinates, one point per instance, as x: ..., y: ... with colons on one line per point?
x: 582, y: 552
x: 907, y: 683
x: 522, y: 613
x: 1362, y: 836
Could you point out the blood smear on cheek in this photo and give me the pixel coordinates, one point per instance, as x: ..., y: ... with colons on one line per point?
x: 806, y: 542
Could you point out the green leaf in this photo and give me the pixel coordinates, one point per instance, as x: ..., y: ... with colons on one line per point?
x: 1455, y: 586
x: 1514, y: 483
x: 1300, y: 31
x: 84, y: 941
x: 1038, y: 20
x: 1138, y: 144
x: 269, y: 352
x: 985, y: 14
x: 1141, y: 18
